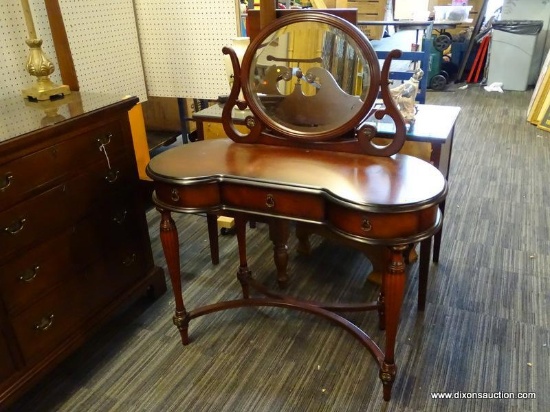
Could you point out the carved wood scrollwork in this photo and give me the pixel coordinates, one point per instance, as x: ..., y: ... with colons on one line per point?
x: 318, y: 96
x: 367, y: 133
x: 232, y: 102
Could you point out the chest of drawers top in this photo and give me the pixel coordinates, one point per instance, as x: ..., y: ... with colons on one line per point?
x: 20, y: 118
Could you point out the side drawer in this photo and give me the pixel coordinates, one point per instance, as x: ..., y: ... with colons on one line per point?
x: 29, y: 276
x: 21, y: 178
x: 200, y: 197
x: 381, y: 225
x: 273, y: 201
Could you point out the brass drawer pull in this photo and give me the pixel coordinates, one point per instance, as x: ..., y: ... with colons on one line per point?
x: 45, y: 323
x: 6, y: 181
x: 120, y: 217
x: 112, y: 176
x: 270, y: 201
x: 366, y: 226
x: 15, y: 227
x: 129, y: 260
x: 29, y: 274
x: 175, y: 195
x: 105, y: 140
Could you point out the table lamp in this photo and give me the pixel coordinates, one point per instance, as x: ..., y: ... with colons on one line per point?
x: 39, y: 65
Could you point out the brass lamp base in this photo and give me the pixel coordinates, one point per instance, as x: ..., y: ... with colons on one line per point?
x: 50, y: 108
x: 45, y: 89
x: 41, y: 67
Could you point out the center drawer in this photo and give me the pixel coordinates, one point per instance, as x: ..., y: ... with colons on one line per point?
x: 298, y: 205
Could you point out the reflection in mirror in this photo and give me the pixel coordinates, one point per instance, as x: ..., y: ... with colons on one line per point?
x: 309, y: 77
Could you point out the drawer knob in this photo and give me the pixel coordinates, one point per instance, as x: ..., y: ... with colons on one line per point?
x: 29, y: 274
x: 270, y: 201
x: 366, y: 226
x: 112, y: 176
x: 105, y: 140
x: 45, y: 323
x: 15, y: 227
x: 175, y: 195
x: 129, y: 260
x: 6, y: 181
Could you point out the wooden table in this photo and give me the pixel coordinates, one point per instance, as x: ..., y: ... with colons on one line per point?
x: 386, y: 202
x: 434, y: 127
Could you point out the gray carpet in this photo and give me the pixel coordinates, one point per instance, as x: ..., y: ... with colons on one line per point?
x: 486, y: 326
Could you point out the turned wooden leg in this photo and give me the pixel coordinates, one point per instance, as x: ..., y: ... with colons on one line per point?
x: 212, y: 222
x: 394, y: 290
x: 381, y: 309
x: 171, y: 248
x: 378, y: 257
x: 243, y: 274
x: 279, y: 232
x: 423, y: 271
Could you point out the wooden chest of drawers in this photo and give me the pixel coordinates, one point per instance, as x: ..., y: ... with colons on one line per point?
x: 74, y: 243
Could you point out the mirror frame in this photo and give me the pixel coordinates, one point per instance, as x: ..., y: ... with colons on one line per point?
x: 364, y: 48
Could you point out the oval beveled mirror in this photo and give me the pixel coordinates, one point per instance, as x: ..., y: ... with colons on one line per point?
x: 310, y: 75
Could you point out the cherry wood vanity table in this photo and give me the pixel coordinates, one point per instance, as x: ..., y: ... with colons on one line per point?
x: 308, y: 156
x: 434, y: 125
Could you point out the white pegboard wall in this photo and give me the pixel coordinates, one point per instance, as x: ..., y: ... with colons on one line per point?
x: 105, y: 47
x: 14, y: 50
x: 181, y: 44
